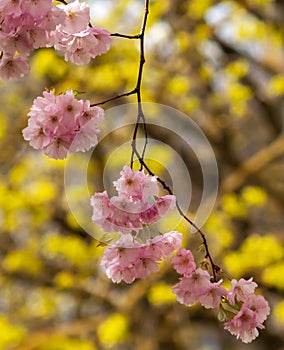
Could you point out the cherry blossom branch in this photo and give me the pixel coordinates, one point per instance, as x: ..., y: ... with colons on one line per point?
x: 132, y: 92
x: 137, y: 36
x: 63, y: 2
x: 215, y: 268
x: 137, y: 90
x: 140, y: 114
x: 141, y: 118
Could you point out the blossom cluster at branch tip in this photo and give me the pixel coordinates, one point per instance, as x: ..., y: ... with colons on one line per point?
x: 242, y: 312
x: 27, y: 25
x: 136, y: 205
x: 62, y: 124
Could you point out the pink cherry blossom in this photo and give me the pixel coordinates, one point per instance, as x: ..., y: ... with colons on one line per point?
x: 112, y: 218
x: 104, y: 41
x: 35, y: 133
x: 81, y: 46
x: 10, y: 7
x: 129, y: 206
x: 243, y: 325
x: 78, y: 16
x: 117, y: 273
x: 144, y: 267
x: 102, y: 203
x: 94, y: 113
x: 13, y: 67
x: 150, y: 215
x: 17, y: 41
x: 165, y: 243
x: 183, y: 262
x: 169, y: 242
x: 76, y: 47
x: 38, y: 38
x: 123, y: 253
x: 165, y: 204
x: 52, y: 20
x: 154, y: 247
x: 259, y: 305
x: 240, y: 290
x: 212, y: 298
x: 191, y: 288
x: 36, y: 8
x: 136, y: 185
x: 57, y: 149
x: 86, y: 137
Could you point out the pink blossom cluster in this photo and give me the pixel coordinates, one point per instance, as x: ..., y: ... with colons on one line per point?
x: 128, y: 259
x: 249, y: 310
x: 61, y: 124
x: 136, y: 205
x: 27, y: 25
x: 76, y: 38
x: 243, y: 311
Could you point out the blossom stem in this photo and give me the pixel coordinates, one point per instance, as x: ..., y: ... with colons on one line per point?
x: 137, y: 89
x: 215, y: 268
x: 140, y: 113
x: 137, y: 36
x: 132, y: 92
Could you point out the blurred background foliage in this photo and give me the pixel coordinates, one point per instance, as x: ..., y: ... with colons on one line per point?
x: 220, y: 62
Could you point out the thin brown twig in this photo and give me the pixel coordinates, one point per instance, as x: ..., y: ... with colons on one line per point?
x: 132, y: 92
x: 140, y: 114
x: 125, y: 36
x: 63, y: 2
x: 137, y: 90
x: 215, y: 268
